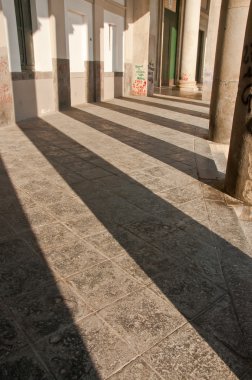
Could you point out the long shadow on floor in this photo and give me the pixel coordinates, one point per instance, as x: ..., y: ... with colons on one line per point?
x: 203, y: 275
x: 168, y: 107
x: 179, y: 158
x: 36, y: 312
x: 182, y: 101
x: 172, y: 124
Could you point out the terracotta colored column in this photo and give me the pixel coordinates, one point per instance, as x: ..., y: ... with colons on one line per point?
x: 211, y: 44
x: 239, y: 169
x: 190, y: 45
x: 233, y: 21
x: 6, y: 97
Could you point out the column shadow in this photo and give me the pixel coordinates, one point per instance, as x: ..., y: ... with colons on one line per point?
x: 190, y: 163
x: 172, y: 124
x: 182, y: 101
x: 168, y: 107
x: 206, y: 278
x: 39, y: 338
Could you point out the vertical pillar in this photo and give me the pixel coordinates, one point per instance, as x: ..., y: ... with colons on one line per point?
x: 212, y: 34
x: 141, y: 32
x: 153, y: 42
x: 128, y: 51
x: 190, y: 45
x: 159, y: 60
x: 239, y: 169
x: 61, y: 66
x: 141, y: 46
x: 6, y: 96
x: 99, y: 49
x: 233, y: 20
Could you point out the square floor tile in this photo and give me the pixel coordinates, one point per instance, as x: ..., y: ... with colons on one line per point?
x: 26, y: 366
x: 183, y: 194
x: 103, y: 284
x: 49, y: 236
x: 186, y: 354
x: 89, y: 350
x: 142, y: 319
x: 137, y: 370
x: 79, y: 257
x: 23, y: 276
x: 86, y: 225
x: 115, y: 242
x: 11, y: 337
x: 45, y: 310
x: 226, y: 328
x: 13, y: 251
x: 144, y: 262
x: 69, y: 210
x: 5, y: 229
x: 189, y: 292
x: 32, y: 217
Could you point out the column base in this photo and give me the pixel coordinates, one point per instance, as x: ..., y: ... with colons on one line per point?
x: 187, y: 86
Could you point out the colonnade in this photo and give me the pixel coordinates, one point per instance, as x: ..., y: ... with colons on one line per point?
x: 228, y: 79
x: 227, y: 71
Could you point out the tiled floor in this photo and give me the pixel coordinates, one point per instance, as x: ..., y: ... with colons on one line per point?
x: 120, y: 256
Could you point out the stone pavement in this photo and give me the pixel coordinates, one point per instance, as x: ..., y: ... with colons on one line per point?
x: 120, y: 256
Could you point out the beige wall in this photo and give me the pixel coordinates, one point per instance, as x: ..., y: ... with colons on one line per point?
x: 33, y: 94
x: 33, y: 98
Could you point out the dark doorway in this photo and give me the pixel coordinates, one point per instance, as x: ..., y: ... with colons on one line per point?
x: 200, y: 57
x: 169, y: 46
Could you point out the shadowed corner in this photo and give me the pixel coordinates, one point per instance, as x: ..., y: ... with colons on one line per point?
x: 206, y: 279
x: 42, y: 322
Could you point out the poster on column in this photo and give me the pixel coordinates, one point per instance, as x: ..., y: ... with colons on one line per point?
x: 139, y: 86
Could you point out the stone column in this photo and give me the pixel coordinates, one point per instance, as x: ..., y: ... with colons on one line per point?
x: 212, y: 34
x: 153, y: 42
x: 233, y: 20
x: 239, y: 169
x: 190, y: 45
x: 141, y: 31
x: 128, y: 46
x: 98, y: 26
x: 7, y: 114
x: 61, y: 66
x: 140, y: 46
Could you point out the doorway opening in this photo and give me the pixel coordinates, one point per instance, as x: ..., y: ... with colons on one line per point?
x: 169, y: 50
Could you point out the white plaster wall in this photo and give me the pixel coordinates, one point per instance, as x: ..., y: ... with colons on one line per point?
x: 33, y: 98
x: 80, y: 10
x: 11, y: 32
x: 113, y: 86
x: 113, y: 42
x: 78, y: 41
x: 109, y: 87
x: 41, y: 36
